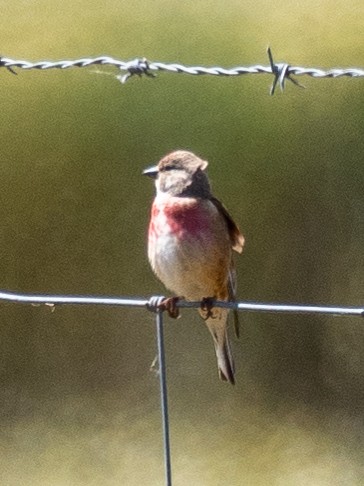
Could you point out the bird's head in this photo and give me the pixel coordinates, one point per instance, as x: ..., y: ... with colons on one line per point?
x: 181, y: 174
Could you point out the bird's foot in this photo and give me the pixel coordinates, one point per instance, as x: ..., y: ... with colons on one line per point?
x: 170, y: 305
x: 206, y: 310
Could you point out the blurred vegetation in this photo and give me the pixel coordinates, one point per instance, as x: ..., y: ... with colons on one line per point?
x: 78, y: 404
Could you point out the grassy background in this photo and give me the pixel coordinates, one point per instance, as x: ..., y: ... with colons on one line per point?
x: 78, y: 404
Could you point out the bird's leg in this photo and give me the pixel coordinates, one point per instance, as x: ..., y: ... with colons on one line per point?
x: 169, y: 305
x: 206, y: 311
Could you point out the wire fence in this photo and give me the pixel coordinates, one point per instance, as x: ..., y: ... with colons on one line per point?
x: 155, y: 304
x: 152, y: 304
x: 142, y: 67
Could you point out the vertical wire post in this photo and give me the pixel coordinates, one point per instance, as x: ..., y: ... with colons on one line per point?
x: 164, y: 398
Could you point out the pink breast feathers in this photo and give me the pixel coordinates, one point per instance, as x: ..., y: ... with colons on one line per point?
x: 182, y: 219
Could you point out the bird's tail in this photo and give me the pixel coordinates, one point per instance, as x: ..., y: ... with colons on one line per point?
x: 218, y: 328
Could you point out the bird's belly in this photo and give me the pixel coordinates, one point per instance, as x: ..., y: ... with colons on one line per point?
x: 190, y: 265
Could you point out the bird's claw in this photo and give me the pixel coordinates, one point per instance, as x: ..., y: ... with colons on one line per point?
x: 170, y: 305
x: 206, y: 310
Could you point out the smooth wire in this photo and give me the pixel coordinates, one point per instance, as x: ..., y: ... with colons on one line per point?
x: 154, y: 304
x: 164, y: 397
x: 39, y: 299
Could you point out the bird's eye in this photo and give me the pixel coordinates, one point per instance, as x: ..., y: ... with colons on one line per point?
x: 167, y: 167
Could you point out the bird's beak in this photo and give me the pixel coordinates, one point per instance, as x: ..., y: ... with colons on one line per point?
x: 151, y: 172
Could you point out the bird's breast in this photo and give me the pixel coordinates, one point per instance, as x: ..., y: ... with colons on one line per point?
x: 189, y: 248
x: 184, y: 220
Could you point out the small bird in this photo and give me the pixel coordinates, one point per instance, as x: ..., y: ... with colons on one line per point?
x: 190, y: 241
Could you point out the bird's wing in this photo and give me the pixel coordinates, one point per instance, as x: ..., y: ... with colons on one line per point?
x: 237, y: 239
x: 232, y: 298
x: 237, y: 243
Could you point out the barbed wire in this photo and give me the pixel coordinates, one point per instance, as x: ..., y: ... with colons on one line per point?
x: 142, y: 67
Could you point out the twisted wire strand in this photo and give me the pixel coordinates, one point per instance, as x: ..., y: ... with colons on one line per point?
x: 143, y: 64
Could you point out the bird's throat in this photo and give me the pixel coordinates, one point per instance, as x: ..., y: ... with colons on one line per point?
x: 182, y: 217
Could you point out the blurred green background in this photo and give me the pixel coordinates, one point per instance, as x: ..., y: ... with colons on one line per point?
x: 78, y: 403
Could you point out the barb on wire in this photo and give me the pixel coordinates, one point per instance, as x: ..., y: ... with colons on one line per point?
x: 281, y: 73
x: 8, y: 68
x: 143, y: 67
x: 139, y: 67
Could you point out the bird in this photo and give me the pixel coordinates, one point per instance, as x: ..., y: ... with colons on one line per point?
x: 191, y: 239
